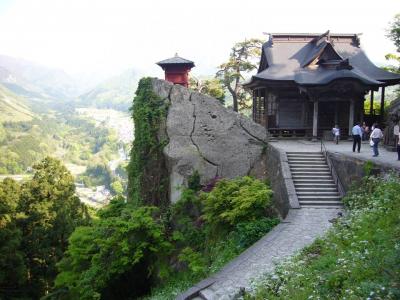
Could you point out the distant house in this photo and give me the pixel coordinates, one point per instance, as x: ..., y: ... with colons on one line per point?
x: 307, y: 83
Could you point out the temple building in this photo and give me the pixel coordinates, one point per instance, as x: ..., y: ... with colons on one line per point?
x: 177, y: 69
x: 307, y: 83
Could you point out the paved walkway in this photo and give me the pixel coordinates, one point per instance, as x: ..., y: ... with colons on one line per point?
x: 385, y: 157
x: 300, y: 228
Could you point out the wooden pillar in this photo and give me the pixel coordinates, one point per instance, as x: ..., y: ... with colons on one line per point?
x: 259, y: 106
x: 303, y: 113
x: 254, y: 106
x: 315, y: 122
x: 266, y: 107
x: 336, y: 113
x: 351, y: 116
x: 371, y: 107
x: 362, y: 112
x: 382, y: 104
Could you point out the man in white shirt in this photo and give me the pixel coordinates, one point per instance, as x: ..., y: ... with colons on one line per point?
x: 396, y: 131
x: 357, y: 134
x: 376, y: 136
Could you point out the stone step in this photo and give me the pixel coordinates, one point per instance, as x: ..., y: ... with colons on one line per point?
x: 323, y: 203
x: 292, y: 156
x: 307, y: 164
x: 322, y: 206
x: 318, y: 198
x: 302, y: 158
x: 315, y: 187
x: 307, y: 179
x: 303, y: 153
x: 309, y: 168
x: 331, y: 188
x: 312, y: 178
x: 318, y: 194
x: 311, y: 173
x: 307, y: 160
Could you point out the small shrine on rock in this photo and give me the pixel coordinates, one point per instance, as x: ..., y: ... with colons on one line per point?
x: 177, y: 69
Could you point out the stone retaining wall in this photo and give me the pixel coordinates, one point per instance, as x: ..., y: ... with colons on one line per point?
x: 279, y: 175
x: 350, y: 170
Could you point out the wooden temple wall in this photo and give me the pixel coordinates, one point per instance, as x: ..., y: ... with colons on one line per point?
x: 292, y: 115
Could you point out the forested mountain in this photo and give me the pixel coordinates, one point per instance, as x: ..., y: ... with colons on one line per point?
x: 116, y: 92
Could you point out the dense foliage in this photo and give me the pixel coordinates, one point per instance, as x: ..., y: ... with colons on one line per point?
x: 116, y: 257
x: 358, y: 259
x: 205, y: 238
x: 394, y: 35
x: 234, y: 201
x: 36, y: 219
x: 147, y: 171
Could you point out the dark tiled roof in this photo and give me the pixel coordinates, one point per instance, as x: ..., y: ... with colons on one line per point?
x: 176, y: 60
x: 294, y: 57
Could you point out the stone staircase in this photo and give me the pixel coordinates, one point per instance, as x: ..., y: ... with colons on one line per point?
x: 313, y: 180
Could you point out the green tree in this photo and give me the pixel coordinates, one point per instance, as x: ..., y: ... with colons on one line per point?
x: 393, y: 33
x: 51, y: 211
x: 117, y: 257
x: 243, y: 59
x: 12, y: 268
x: 212, y: 87
x: 117, y: 187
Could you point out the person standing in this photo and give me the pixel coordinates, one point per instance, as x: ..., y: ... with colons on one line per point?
x: 336, y: 134
x: 398, y: 150
x: 396, y: 132
x: 357, y: 134
x: 365, y: 130
x: 376, y: 136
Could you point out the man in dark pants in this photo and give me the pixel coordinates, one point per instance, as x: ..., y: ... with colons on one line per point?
x: 357, y: 134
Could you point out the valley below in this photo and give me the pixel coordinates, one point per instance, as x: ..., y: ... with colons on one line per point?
x: 46, y: 112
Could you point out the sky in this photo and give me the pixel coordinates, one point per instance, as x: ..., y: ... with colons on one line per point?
x: 108, y: 36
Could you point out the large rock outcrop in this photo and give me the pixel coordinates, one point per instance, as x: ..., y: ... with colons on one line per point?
x: 207, y: 137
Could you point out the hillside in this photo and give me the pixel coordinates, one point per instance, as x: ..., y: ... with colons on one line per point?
x: 30, y: 79
x: 12, y: 107
x: 116, y: 92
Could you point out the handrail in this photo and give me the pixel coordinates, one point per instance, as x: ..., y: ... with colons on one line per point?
x: 332, y: 169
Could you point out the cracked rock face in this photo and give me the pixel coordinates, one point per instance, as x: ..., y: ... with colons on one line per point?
x: 207, y: 137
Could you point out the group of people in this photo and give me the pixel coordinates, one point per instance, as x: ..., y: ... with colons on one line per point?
x: 363, y: 133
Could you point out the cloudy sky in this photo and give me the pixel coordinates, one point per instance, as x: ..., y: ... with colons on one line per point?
x: 107, y: 36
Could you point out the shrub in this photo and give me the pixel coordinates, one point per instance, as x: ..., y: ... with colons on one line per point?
x: 247, y: 233
x: 196, y: 261
x: 234, y: 201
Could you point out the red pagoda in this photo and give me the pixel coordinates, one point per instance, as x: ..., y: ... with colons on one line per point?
x: 177, y: 69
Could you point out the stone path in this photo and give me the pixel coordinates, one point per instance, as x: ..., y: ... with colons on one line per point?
x: 300, y: 228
